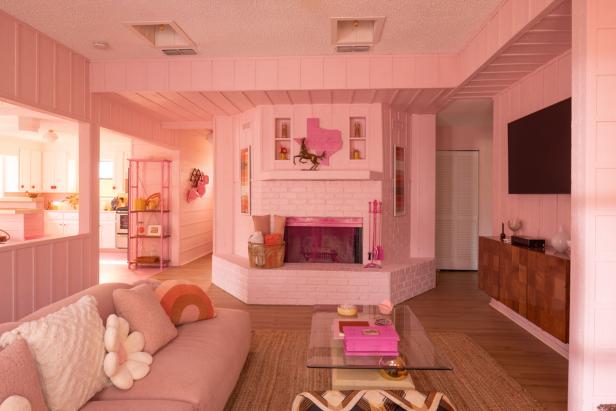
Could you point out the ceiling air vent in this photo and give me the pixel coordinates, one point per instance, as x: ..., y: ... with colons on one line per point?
x: 162, y: 34
x: 179, y: 52
x: 352, y: 49
x: 356, y: 34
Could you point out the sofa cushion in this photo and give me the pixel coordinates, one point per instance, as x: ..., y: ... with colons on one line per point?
x: 19, y: 376
x: 201, y: 366
x: 137, y: 405
x: 141, y: 308
x: 68, y: 348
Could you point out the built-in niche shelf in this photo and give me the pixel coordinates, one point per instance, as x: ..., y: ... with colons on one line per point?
x: 282, y: 138
x: 285, y: 175
x: 357, y: 138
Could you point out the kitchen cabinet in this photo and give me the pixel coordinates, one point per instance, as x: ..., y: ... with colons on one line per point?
x: 55, y: 171
x: 61, y: 222
x: 107, y: 230
x: 30, y: 170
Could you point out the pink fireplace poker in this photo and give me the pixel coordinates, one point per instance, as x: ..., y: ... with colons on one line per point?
x: 375, y: 211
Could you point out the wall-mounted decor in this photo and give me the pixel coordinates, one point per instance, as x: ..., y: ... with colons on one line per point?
x: 245, y: 180
x: 198, y: 181
x: 154, y: 230
x: 319, y: 144
x: 399, y: 171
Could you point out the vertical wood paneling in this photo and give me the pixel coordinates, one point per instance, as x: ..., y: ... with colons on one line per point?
x: 24, y: 282
x: 78, y: 82
x: 6, y: 290
x: 59, y: 266
x: 46, y: 66
x: 179, y: 75
x: 43, y: 276
x: 75, y: 267
x: 289, y: 73
x: 542, y: 215
x: 223, y: 74
x: 357, y: 72
x: 26, y: 64
x: 33, y: 276
x: 7, y: 51
x: 334, y: 73
x: 63, y: 79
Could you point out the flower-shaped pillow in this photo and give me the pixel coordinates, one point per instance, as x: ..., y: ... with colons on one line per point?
x: 16, y: 403
x: 125, y: 361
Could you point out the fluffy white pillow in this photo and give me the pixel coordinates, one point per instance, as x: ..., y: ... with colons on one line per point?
x: 68, y: 348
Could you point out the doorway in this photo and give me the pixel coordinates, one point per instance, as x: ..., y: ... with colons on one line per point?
x: 457, y: 209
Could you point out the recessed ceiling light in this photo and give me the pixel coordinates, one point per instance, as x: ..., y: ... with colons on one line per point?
x: 100, y: 44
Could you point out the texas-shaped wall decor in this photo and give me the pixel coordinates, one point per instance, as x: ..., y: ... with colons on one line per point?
x: 321, y: 140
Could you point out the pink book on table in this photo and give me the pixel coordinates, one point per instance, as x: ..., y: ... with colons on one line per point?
x: 370, y: 341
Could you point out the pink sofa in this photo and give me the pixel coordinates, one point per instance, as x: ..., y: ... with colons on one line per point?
x: 196, y: 371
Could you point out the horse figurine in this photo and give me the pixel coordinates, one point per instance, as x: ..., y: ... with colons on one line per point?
x: 304, y: 155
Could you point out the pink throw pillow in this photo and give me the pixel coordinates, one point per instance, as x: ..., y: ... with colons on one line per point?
x: 19, y: 375
x: 141, y: 308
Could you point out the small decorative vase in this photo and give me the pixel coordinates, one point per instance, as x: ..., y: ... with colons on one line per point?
x: 559, y: 241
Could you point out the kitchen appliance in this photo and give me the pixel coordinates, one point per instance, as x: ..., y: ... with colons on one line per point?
x: 121, y: 237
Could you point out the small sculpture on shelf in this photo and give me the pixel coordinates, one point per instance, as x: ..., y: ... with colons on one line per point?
x: 282, y: 155
x: 356, y: 154
x: 305, y: 155
x: 357, y: 129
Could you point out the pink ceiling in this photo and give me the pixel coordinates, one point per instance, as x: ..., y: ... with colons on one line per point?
x: 202, y: 106
x: 543, y: 41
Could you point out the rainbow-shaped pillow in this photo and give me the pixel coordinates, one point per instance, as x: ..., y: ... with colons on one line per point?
x: 184, y: 302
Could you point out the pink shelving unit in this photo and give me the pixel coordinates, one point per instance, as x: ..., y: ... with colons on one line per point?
x: 145, y: 178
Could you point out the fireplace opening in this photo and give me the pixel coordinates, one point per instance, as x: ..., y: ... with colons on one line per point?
x: 323, y: 240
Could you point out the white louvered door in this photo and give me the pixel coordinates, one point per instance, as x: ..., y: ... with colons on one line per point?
x: 457, y: 209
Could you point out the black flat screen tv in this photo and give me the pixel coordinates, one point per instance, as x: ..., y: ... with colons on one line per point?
x: 539, y: 151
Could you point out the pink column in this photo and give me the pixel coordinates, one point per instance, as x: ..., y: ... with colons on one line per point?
x: 89, y: 152
x: 592, y: 360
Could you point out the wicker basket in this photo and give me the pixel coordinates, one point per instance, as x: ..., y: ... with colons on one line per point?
x: 266, y: 256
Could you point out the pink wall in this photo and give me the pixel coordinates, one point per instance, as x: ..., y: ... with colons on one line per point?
x: 592, y: 348
x: 196, y: 218
x: 41, y: 73
x: 423, y: 185
x: 39, y: 272
x: 541, y: 214
x: 396, y: 229
x: 473, y: 137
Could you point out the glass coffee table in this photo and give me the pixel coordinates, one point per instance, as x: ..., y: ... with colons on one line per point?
x: 417, y: 352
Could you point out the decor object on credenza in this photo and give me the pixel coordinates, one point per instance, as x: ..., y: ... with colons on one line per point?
x: 502, y: 234
x: 245, y: 180
x: 375, y: 249
x: 399, y: 175
x: 514, y: 225
x: 154, y: 230
x: 318, y: 140
x: 4, y: 236
x: 347, y: 310
x: 559, y: 240
x: 304, y: 155
x: 125, y: 361
x: 386, y: 307
x: 198, y: 180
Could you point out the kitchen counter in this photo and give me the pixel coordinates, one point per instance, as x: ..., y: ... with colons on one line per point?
x: 20, y: 211
x: 20, y: 199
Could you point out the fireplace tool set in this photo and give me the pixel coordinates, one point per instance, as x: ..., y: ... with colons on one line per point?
x: 375, y: 215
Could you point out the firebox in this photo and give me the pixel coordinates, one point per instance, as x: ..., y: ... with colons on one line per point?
x: 323, y: 240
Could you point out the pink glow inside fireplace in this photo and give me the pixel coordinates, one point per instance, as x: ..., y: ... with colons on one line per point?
x: 323, y: 240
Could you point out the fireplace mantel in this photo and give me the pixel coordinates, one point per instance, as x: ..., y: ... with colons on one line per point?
x: 331, y: 175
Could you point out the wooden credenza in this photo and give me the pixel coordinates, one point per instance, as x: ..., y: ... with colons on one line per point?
x: 535, y: 284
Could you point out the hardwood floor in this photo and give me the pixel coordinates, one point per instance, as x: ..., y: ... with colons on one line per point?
x: 456, y: 304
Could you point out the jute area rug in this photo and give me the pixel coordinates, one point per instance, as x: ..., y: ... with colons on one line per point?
x: 275, y: 372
